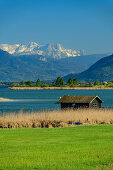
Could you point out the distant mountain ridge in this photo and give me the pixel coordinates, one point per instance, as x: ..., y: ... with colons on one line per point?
x: 49, y: 50
x: 102, y: 70
x: 32, y: 67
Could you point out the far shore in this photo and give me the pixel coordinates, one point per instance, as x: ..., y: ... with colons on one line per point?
x: 60, y: 88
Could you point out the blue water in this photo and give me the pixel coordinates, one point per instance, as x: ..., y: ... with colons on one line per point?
x: 36, y: 100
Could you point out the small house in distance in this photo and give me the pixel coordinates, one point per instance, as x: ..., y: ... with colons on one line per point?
x: 74, y: 102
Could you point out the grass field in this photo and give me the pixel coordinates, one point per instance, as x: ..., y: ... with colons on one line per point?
x: 82, y: 147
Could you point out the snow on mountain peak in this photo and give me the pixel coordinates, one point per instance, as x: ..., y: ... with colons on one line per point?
x: 48, y: 50
x: 32, y: 45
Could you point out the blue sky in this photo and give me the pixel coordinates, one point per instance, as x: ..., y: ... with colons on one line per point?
x: 76, y: 24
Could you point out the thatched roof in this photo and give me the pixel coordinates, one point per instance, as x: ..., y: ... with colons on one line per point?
x: 78, y: 99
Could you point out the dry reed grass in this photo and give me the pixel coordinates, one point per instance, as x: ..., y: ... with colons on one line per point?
x: 56, y: 118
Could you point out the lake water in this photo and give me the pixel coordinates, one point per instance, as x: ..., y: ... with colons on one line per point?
x: 36, y: 100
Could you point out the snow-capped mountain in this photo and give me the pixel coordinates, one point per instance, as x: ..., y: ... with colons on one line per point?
x: 50, y: 50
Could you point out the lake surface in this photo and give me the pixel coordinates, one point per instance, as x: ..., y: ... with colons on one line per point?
x: 36, y: 100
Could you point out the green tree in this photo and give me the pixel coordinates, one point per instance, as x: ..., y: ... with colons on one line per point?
x: 15, y: 84
x: 110, y: 84
x: 75, y: 82
x: 29, y: 83
x: 59, y: 81
x: 96, y: 83
x: 105, y: 83
x: 22, y: 83
x: 90, y: 84
x: 70, y: 82
x: 44, y: 85
x: 38, y: 83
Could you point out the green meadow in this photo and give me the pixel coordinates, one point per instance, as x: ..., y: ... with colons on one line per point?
x: 81, y: 147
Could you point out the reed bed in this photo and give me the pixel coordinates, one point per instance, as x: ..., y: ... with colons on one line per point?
x: 57, y: 118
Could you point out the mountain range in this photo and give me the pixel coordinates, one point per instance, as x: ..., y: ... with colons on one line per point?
x: 27, y: 64
x: 56, y: 51
x: 102, y: 70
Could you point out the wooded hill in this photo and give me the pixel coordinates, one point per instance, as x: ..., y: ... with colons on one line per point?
x: 31, y: 67
x: 101, y: 70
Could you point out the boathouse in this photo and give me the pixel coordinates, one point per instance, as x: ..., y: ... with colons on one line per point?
x: 74, y: 102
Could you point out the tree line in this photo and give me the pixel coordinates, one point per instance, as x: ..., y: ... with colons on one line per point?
x: 60, y: 83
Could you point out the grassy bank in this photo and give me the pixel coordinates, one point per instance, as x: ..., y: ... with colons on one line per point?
x: 83, y: 147
x: 58, y: 118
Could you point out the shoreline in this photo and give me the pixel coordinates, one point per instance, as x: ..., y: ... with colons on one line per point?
x: 4, y: 99
x: 60, y: 88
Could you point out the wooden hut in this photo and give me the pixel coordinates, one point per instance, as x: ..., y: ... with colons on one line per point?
x: 74, y: 102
